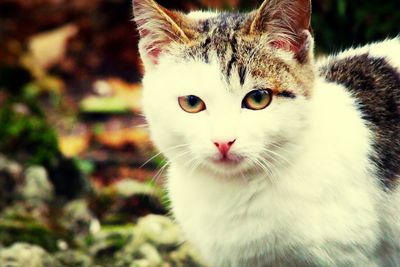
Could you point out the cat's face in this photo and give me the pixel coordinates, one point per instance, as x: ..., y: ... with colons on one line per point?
x: 231, y: 98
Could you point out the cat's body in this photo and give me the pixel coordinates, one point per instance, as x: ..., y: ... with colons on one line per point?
x: 327, y: 208
x: 312, y: 179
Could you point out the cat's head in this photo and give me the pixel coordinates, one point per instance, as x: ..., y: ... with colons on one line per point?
x: 227, y: 92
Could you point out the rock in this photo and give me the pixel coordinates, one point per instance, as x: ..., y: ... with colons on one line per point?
x: 186, y: 255
x: 25, y: 255
x: 128, y: 188
x: 141, y: 263
x: 110, y: 240
x: 77, y: 217
x: 73, y: 258
x: 146, y: 256
x: 125, y: 200
x: 10, y: 167
x: 154, y: 231
x: 10, y: 174
x: 150, y: 254
x: 37, y: 187
x: 33, y: 197
x: 160, y: 231
x: 79, y: 221
x: 157, y: 242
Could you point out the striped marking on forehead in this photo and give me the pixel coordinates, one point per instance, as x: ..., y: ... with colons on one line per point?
x: 220, y: 38
x: 240, y: 55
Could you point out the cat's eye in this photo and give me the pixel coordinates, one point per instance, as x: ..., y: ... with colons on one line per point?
x: 257, y: 99
x: 191, y: 104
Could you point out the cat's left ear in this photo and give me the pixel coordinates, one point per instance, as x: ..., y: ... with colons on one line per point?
x: 288, y: 24
x: 159, y: 28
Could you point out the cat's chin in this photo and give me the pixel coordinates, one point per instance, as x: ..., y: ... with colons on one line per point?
x: 227, y: 167
x: 230, y: 160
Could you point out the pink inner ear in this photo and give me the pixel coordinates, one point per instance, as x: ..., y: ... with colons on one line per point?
x: 154, y: 49
x: 285, y: 45
x: 154, y: 54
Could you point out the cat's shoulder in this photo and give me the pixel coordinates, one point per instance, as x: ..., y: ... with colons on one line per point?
x: 371, y: 74
x: 388, y: 50
x: 373, y: 68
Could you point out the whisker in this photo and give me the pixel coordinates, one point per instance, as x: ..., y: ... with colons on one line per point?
x: 264, y: 167
x: 159, y: 153
x: 277, y: 155
x: 159, y: 173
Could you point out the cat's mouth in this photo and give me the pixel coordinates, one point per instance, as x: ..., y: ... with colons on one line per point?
x: 230, y: 159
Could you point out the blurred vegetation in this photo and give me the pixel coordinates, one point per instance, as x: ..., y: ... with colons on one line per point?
x: 24, y: 128
x: 339, y: 24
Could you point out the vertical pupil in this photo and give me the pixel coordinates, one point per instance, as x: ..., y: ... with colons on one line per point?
x: 192, y: 100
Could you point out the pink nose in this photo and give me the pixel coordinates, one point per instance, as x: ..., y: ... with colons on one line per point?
x: 224, y: 147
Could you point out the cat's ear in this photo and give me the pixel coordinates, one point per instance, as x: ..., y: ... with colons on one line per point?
x: 288, y: 23
x: 158, y: 28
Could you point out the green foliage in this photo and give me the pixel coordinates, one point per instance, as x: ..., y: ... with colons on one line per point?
x: 86, y: 167
x: 28, y: 232
x: 17, y: 225
x: 339, y: 24
x: 24, y: 130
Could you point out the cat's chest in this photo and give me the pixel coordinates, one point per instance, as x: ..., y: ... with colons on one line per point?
x: 253, y: 228
x: 259, y: 222
x: 223, y: 215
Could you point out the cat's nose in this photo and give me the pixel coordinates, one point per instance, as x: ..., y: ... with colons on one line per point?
x: 224, y: 147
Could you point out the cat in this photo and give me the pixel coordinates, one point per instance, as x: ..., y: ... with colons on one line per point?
x: 275, y: 158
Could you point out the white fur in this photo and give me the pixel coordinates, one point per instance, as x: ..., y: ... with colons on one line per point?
x: 389, y: 49
x: 318, y: 205
x: 200, y: 15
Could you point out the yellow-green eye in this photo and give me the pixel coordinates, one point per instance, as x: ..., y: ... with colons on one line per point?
x: 191, y: 104
x: 257, y: 99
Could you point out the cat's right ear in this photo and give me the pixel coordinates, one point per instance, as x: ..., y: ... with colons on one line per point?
x: 288, y: 25
x: 158, y: 28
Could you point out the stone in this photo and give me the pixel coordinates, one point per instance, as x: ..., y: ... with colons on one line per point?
x: 150, y: 254
x: 110, y: 240
x: 73, y: 258
x: 77, y: 217
x: 141, y: 263
x: 128, y: 188
x: 157, y: 242
x: 184, y: 256
x: 25, y: 255
x: 126, y: 200
x: 37, y: 187
x: 10, y: 175
x: 9, y: 166
x: 160, y: 231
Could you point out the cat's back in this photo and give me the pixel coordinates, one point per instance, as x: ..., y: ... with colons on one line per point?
x: 371, y: 74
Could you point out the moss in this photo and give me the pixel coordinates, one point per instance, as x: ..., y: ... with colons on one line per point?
x: 26, y: 133
x: 12, y: 231
x: 19, y: 224
x: 109, y: 240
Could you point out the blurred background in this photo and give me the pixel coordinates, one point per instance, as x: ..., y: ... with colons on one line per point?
x: 79, y: 185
